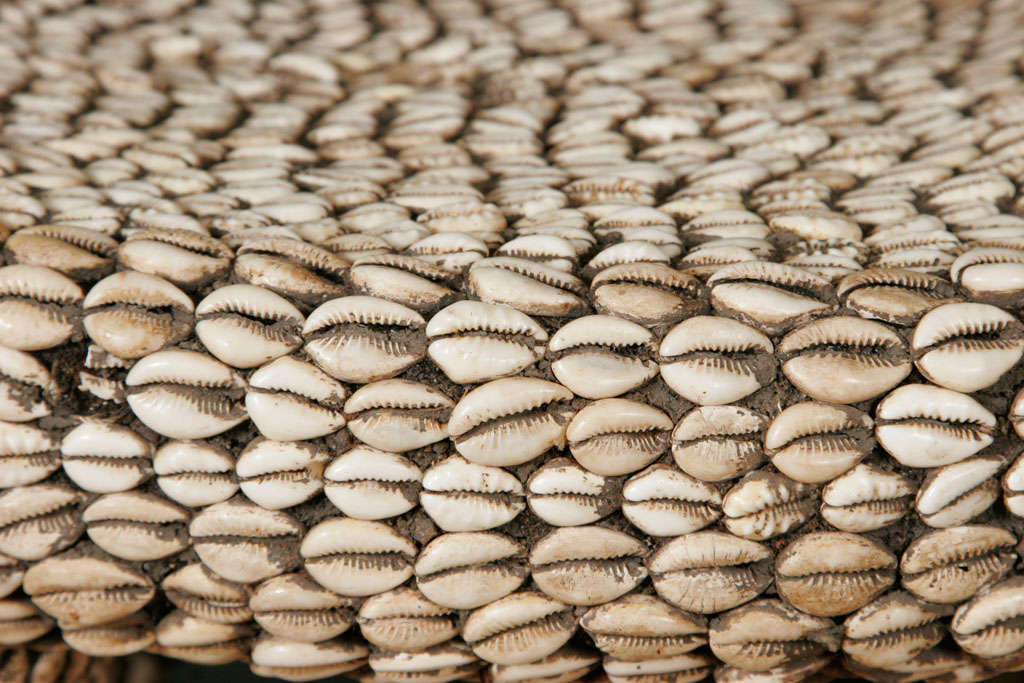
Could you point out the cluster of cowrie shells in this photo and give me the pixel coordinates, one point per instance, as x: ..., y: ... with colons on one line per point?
x: 513, y: 340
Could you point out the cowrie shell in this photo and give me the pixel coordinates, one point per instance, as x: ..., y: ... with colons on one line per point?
x: 615, y: 436
x: 662, y: 501
x: 587, y: 565
x: 293, y: 606
x: 27, y: 387
x: 450, y: 661
x: 562, y: 493
x: 638, y: 626
x: 105, y: 458
x: 531, y: 288
x: 717, y: 443
x: 196, y: 590
x: 770, y: 296
x: 398, y: 415
x: 291, y: 400
x: 463, y: 496
x: 404, y: 620
x: 280, y: 474
x: 519, y: 628
x: 298, y: 661
x: 194, y: 473
x: 646, y: 293
x: 136, y: 526
x: 984, y: 626
x: 28, y: 454
x: 950, y: 565
x: 246, y: 326
x: 354, y: 557
x: 37, y: 521
x: 815, y: 442
x: 39, y: 307
x: 366, y: 483
x: 201, y: 641
x: 566, y: 664
x: 893, y: 629
x: 466, y: 570
x: 957, y: 493
x: 866, y: 498
x: 600, y: 356
x: 763, y: 505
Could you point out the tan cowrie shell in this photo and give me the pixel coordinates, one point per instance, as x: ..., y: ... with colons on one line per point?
x: 104, y: 458
x: 979, y: 185
x: 770, y: 296
x: 866, y: 498
x: 39, y: 307
x: 244, y: 543
x: 950, y: 565
x: 404, y: 620
x: 185, y: 257
x: 811, y: 224
x: 769, y: 633
x: 827, y: 573
x: 289, y: 400
x: 728, y: 223
x: 448, y: 662
x: 293, y: 660
x: 814, y: 442
x: 957, y: 493
x: 939, y: 664
x: 25, y: 387
x: 200, y: 641
x: 711, y: 360
x: 463, y: 496
x: 355, y: 557
x: 194, y: 473
x: 196, y: 590
x: 562, y: 493
x: 662, y: 501
x: 293, y: 606
x: 454, y: 252
x: 533, y: 288
x: 636, y: 627
x: 427, y: 196
x: 81, y: 590
x: 763, y: 505
x: 646, y: 293
x: 510, y: 421
x: 467, y: 216
x: 519, y: 628
x: 407, y: 280
x: 893, y: 629
x: 694, y: 201
x: 550, y: 250
x: 246, y: 326
x: 132, y: 314
x: 684, y: 668
x: 281, y: 474
x: 893, y: 295
x: 991, y: 274
x: 1013, y: 487
x: 635, y: 250
x: 80, y: 253
x: 861, y: 359
x: 363, y: 339
x: 922, y: 425
x: 472, y: 341
x: 616, y: 436
x: 184, y: 394
x: 37, y: 521
x: 397, y: 415
x: 967, y: 346
x: 366, y: 483
x: 609, y: 188
x: 736, y: 174
x: 300, y: 271
x: 587, y: 565
x: 21, y: 622
x: 136, y: 526
x: 12, y: 571
x: 466, y: 570
x: 710, y: 571
x: 598, y: 356
x: 27, y: 454
x: 988, y: 625
x: 567, y: 664
x: 354, y: 246
x: 717, y: 443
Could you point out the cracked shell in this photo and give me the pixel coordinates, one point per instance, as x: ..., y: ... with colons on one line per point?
x: 246, y: 326
x: 866, y: 498
x: 184, y: 394
x: 398, y: 415
x: 710, y: 360
x: 562, y: 493
x: 463, y: 496
x: 510, y: 421
x: 519, y: 628
x: 587, y: 565
x: 921, y: 425
x: 363, y: 339
x: 466, y: 570
x: 828, y: 573
x: 950, y: 565
x: 39, y: 307
x: 718, y: 443
x: 291, y: 400
x: 662, y: 501
x: 763, y: 505
x: 844, y: 359
x: 599, y: 356
x: 105, y: 458
x: 281, y: 474
x: 136, y: 526
x: 637, y: 626
x: 769, y: 633
x: 710, y: 571
x: 355, y: 557
x: 195, y: 473
x: 814, y: 442
x: 893, y: 629
x: 196, y: 590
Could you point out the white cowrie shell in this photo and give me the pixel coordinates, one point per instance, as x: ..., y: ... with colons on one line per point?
x: 717, y: 443
x: 451, y: 661
x: 463, y: 496
x: 12, y: 572
x: 763, y: 505
x: 562, y: 493
x: 105, y: 458
x: 957, y: 493
x: 466, y: 570
x: 600, y: 356
x: 926, y: 426
x: 814, y: 442
x: 198, y: 591
x: 991, y: 274
x: 280, y: 474
x: 404, y: 620
x: 294, y: 606
x: 472, y: 341
x: 354, y: 557
x: 194, y: 473
x: 866, y: 498
x: 183, y: 256
x: 294, y: 660
x: 37, y: 307
x: 37, y: 521
x: 201, y: 641
x: 27, y: 454
x: 587, y: 565
x: 25, y: 386
x: 528, y: 287
x: 519, y: 628
x: 342, y: 338
x: 615, y: 436
x: 136, y: 526
x: 398, y: 415
x: 967, y: 346
x: 712, y: 361
x: 290, y: 400
x: 770, y: 296
x: 640, y: 626
x: 950, y: 565
x: 1013, y: 486
x: 985, y: 626
x: 893, y: 295
x: 185, y: 394
x: 246, y: 326
x: 510, y: 421
x: 662, y: 501
x: 366, y: 483
x: 893, y: 629
x: 690, y: 667
x: 567, y: 664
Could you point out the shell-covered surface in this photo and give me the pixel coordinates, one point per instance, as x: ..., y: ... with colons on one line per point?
x: 513, y: 340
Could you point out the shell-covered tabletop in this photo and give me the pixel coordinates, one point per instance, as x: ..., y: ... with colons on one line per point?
x: 513, y: 340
